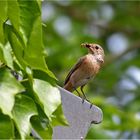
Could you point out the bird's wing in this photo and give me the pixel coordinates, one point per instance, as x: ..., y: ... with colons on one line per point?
x: 76, y: 66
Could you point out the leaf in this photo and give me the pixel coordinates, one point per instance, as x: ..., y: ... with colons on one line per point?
x: 9, y: 87
x: 3, y: 10
x: 3, y: 17
x: 1, y: 33
x: 26, y: 19
x: 34, y: 53
x: 41, y: 124
x: 43, y: 129
x: 48, y: 95
x: 16, y: 47
x: 14, y: 13
x: 7, y: 53
x: 6, y: 127
x: 23, y: 110
x: 58, y: 117
x: 29, y: 12
x: 1, y: 54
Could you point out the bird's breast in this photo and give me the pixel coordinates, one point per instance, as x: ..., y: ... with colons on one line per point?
x: 90, y: 66
x: 88, y: 69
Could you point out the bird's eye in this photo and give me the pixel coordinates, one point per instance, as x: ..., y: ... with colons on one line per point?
x: 96, y: 47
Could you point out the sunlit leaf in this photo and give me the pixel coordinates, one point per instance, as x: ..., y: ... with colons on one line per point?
x: 49, y: 96
x: 9, y: 87
x: 7, y: 53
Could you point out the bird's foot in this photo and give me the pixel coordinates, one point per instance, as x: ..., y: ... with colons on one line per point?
x: 83, y: 100
x: 91, y: 104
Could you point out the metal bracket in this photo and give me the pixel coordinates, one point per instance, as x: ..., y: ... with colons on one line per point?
x: 79, y: 115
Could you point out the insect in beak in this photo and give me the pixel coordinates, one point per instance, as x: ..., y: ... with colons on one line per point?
x: 86, y: 45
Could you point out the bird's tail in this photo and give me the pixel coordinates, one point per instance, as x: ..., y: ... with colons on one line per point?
x: 68, y: 86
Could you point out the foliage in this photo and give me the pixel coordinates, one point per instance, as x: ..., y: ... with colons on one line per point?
x: 29, y: 97
x: 115, y: 25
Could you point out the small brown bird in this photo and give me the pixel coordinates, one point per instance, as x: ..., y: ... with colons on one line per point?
x: 86, y: 68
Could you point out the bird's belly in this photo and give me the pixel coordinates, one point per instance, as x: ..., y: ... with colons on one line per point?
x: 79, y: 78
x: 81, y: 82
x: 84, y: 73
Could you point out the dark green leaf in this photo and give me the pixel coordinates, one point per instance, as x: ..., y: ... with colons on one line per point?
x: 1, y: 53
x: 6, y: 127
x: 43, y: 129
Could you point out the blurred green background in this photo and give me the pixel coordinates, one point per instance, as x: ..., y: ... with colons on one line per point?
x: 115, y: 25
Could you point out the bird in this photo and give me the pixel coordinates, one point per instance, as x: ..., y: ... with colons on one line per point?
x: 85, y: 69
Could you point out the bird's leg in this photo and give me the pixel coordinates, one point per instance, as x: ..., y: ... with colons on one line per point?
x: 85, y: 95
x: 78, y: 92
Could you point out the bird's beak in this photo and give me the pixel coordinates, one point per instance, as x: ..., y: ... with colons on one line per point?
x: 87, y: 45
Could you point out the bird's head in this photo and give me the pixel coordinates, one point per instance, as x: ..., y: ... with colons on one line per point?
x: 95, y: 50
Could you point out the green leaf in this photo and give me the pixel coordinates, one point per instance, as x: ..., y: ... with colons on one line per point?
x: 7, y: 53
x: 41, y: 124
x: 26, y: 19
x: 29, y: 12
x: 48, y: 95
x: 3, y: 17
x: 14, y: 13
x: 6, y: 127
x: 1, y: 33
x: 43, y: 129
x: 23, y: 110
x: 3, y: 10
x: 9, y: 87
x: 16, y: 47
x: 34, y: 53
x: 1, y: 54
x: 58, y: 117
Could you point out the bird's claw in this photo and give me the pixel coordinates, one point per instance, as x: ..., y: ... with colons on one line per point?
x: 91, y: 105
x: 83, y: 100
